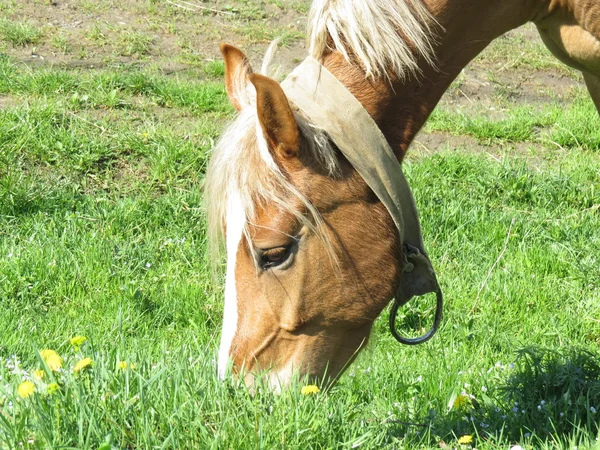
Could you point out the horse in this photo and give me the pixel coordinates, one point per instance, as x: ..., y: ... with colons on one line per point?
x: 314, y: 252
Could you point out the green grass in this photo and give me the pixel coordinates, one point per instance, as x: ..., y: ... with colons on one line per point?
x: 102, y: 234
x: 102, y: 89
x: 19, y: 33
x: 572, y: 127
x: 61, y: 42
x: 125, y: 265
x: 134, y: 43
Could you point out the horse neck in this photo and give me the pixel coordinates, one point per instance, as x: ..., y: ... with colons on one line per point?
x: 401, y: 107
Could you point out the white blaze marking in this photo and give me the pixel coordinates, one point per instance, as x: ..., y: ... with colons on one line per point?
x: 281, y: 378
x: 235, y: 228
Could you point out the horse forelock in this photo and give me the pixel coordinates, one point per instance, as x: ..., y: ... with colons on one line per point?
x: 384, y: 35
x: 243, y: 168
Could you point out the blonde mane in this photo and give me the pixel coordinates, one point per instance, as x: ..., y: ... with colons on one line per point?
x: 382, y: 35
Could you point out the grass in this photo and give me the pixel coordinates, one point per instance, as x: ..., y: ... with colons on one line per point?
x: 132, y: 43
x: 570, y: 127
x: 122, y: 265
x: 61, y: 42
x: 19, y: 33
x: 102, y: 234
x: 523, y: 51
x: 258, y: 32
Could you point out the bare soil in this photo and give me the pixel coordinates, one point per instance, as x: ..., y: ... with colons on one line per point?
x: 168, y: 34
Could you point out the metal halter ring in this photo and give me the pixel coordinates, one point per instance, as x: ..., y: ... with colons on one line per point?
x: 426, y: 336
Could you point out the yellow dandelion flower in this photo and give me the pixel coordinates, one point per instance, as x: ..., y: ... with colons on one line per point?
x: 39, y: 374
x: 85, y: 362
x: 52, y: 388
x: 461, y: 401
x: 310, y: 389
x: 26, y: 389
x: 77, y: 341
x: 123, y: 365
x: 466, y: 439
x: 52, y: 359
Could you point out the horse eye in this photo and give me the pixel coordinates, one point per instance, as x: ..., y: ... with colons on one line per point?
x: 273, y: 257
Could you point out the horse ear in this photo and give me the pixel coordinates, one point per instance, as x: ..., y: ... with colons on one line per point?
x: 237, y: 69
x: 276, y: 118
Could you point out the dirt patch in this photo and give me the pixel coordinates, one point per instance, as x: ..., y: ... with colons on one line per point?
x: 476, y: 85
x: 8, y: 102
x: 426, y: 144
x: 159, y: 33
x: 531, y: 153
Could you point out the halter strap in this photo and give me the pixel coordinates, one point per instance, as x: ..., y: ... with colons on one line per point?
x: 326, y: 102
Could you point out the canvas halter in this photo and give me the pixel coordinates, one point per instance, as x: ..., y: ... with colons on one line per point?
x: 327, y: 103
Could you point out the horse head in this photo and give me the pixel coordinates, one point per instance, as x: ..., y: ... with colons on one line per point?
x: 312, y: 254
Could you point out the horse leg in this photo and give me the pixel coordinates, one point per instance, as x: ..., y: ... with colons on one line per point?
x: 593, y: 85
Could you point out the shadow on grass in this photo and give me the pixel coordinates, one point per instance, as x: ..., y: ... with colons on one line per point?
x: 549, y: 396
x: 559, y: 391
x: 24, y: 194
